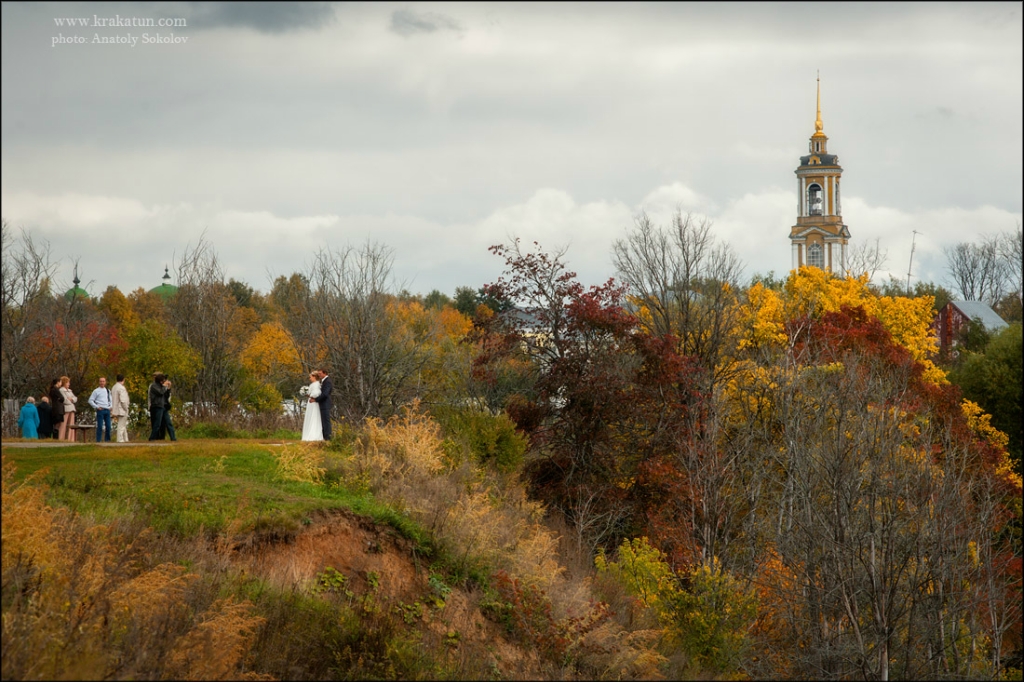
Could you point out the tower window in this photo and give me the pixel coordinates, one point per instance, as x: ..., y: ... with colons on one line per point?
x: 816, y: 256
x: 817, y: 146
x: 814, y: 199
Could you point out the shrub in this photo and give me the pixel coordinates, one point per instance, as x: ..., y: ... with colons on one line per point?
x: 712, y: 619
x: 709, y: 621
x: 492, y: 439
x: 528, y: 613
x: 209, y: 430
x: 642, y: 570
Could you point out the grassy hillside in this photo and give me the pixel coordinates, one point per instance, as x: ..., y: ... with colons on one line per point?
x: 392, y: 552
x: 198, y: 487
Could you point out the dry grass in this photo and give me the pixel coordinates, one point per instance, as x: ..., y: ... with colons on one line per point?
x: 85, y: 601
x: 486, y: 522
x: 300, y: 462
x: 214, y: 648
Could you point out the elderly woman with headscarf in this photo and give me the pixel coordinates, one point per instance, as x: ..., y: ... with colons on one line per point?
x: 28, y: 419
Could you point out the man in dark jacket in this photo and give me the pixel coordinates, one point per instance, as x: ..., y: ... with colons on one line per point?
x: 56, y: 407
x: 158, y: 391
x: 324, y: 401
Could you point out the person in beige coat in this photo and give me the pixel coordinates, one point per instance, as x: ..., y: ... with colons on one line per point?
x: 119, y: 410
x: 66, y: 432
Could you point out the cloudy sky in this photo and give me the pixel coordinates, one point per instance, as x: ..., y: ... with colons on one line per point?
x: 275, y: 130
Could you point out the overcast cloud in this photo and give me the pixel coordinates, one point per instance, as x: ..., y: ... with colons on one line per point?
x: 440, y: 129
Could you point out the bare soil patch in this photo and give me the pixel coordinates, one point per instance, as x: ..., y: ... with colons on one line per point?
x: 357, y: 547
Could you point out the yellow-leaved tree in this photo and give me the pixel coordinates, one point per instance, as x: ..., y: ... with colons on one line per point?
x: 811, y: 292
x: 435, y: 335
x: 271, y: 357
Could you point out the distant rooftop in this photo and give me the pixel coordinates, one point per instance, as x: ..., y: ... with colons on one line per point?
x: 165, y: 290
x: 982, y: 311
x: 826, y: 159
x: 76, y: 291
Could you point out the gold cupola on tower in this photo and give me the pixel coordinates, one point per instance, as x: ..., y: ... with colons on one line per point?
x: 819, y: 237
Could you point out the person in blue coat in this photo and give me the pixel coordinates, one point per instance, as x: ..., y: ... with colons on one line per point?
x: 28, y: 419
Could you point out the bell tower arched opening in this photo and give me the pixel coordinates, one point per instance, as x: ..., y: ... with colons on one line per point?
x: 814, y: 195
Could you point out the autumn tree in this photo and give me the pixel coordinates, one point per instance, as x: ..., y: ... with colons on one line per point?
x: 271, y: 359
x: 27, y: 298
x: 151, y: 343
x: 248, y: 297
x: 75, y: 338
x: 152, y: 346
x: 868, y: 492
x: 288, y: 301
x: 437, y: 335
x: 895, y: 288
x: 117, y: 308
x: 207, y: 317
x: 605, y: 402
x: 993, y: 379
x: 685, y: 285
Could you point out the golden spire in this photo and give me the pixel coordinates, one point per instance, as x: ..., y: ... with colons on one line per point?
x: 817, y: 121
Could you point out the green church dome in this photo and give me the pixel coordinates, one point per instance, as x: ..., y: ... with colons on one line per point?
x: 76, y: 291
x: 166, y: 290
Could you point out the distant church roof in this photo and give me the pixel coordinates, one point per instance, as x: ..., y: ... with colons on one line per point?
x: 76, y: 291
x: 823, y: 160
x: 165, y: 290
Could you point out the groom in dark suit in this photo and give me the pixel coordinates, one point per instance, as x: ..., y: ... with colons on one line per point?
x: 324, y: 402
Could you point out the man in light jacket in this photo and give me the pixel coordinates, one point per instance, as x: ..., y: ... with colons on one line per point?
x: 100, y: 400
x: 119, y: 411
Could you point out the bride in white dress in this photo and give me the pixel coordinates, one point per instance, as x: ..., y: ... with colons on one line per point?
x: 312, y: 426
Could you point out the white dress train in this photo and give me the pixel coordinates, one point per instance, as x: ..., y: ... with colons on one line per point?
x: 312, y: 426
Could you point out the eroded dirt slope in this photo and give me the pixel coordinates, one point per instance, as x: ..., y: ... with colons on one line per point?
x: 358, y: 548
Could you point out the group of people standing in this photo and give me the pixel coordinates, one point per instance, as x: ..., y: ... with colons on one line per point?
x: 54, y: 415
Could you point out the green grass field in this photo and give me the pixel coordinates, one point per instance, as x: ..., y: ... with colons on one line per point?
x: 194, y: 487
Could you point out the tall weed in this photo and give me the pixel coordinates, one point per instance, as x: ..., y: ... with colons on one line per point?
x: 485, y: 521
x: 86, y: 601
x: 300, y: 462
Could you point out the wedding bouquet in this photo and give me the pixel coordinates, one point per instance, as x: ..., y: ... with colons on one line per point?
x: 304, y: 391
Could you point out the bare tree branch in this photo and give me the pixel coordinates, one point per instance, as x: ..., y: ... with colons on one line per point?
x: 866, y: 258
x: 687, y: 282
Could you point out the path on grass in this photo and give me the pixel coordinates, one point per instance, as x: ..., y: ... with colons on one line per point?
x: 66, y: 444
